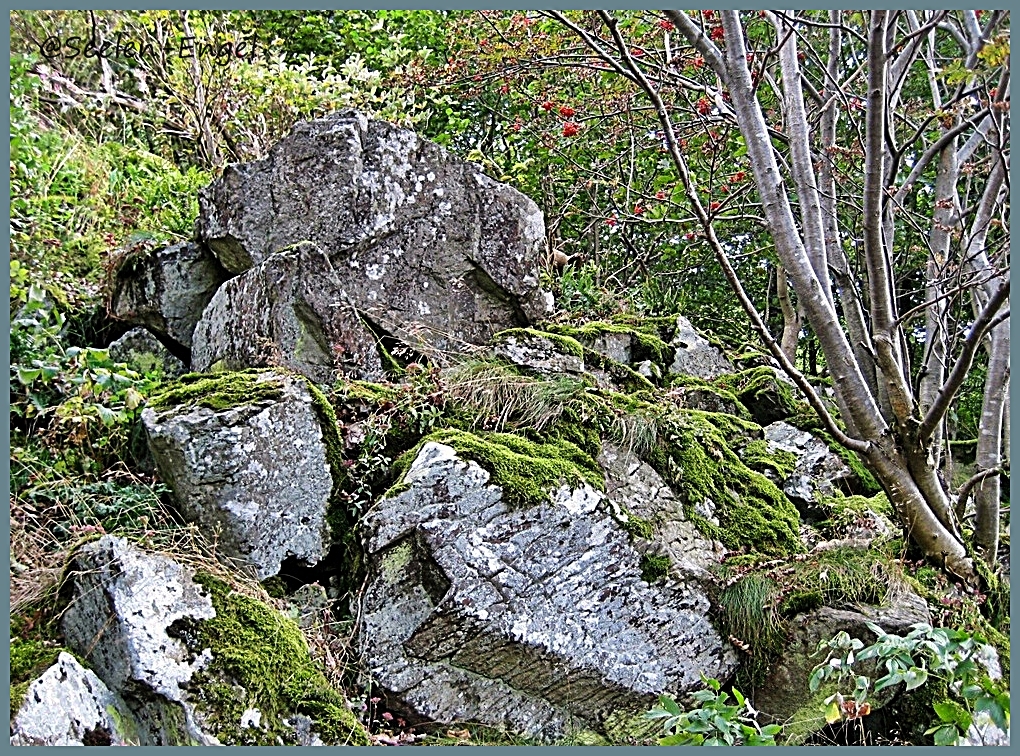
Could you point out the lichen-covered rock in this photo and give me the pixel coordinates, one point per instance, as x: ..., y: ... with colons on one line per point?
x: 194, y: 661
x: 819, y: 470
x: 695, y: 356
x: 255, y: 472
x: 144, y: 353
x: 531, y: 618
x: 69, y: 706
x: 543, y: 353
x: 424, y: 247
x: 166, y: 290
x: 785, y: 695
x: 122, y: 603
x: 655, y: 517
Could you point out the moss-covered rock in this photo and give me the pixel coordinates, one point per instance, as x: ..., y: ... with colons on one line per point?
x: 220, y: 391
x: 767, y: 397
x: 260, y: 661
x: 527, y: 471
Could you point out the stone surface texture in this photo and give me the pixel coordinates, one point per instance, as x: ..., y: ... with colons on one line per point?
x: 695, y: 356
x: 166, y: 290
x: 257, y: 474
x: 122, y: 604
x: 69, y: 706
x: 144, y: 353
x: 532, y: 619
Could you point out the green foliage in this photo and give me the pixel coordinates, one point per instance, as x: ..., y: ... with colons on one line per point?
x: 74, y: 397
x: 716, y: 722
x: 955, y: 658
x: 264, y: 653
x: 654, y: 567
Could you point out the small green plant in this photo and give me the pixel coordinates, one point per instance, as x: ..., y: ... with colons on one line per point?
x: 955, y: 658
x: 718, y: 721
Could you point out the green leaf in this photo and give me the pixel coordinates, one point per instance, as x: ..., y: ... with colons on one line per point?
x: 994, y: 710
x: 916, y: 677
x: 832, y: 713
x: 946, y: 736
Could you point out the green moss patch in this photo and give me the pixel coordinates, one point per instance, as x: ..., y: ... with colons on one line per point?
x: 220, y: 391
x: 257, y: 649
x: 695, y: 454
x: 29, y: 659
x: 654, y: 567
x: 645, y: 341
x: 763, y: 393
x: 563, y: 344
x: 527, y: 471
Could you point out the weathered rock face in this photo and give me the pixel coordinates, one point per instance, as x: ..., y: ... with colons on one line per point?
x: 69, y: 706
x: 257, y: 473
x: 291, y: 310
x: 638, y: 491
x: 533, y: 619
x: 143, y: 352
x: 419, y: 244
x: 122, y: 605
x: 695, y: 356
x: 166, y: 290
x: 818, y: 468
x: 543, y: 353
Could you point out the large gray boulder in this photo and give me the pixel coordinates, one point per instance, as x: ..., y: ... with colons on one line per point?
x: 69, y: 706
x: 167, y: 289
x: 123, y: 601
x: 256, y: 473
x: 533, y: 619
x: 419, y: 245
x: 695, y: 355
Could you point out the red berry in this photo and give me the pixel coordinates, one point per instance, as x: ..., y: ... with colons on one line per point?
x: 638, y: 209
x: 725, y: 188
x: 704, y: 106
x: 570, y: 129
x: 717, y: 33
x: 689, y: 235
x: 660, y: 195
x: 637, y: 52
x: 547, y: 106
x: 698, y: 61
x: 610, y: 221
x: 504, y: 89
x: 713, y: 206
x: 566, y: 111
x: 666, y: 25
x: 738, y: 176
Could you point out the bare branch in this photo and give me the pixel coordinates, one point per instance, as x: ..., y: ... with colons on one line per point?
x: 985, y: 320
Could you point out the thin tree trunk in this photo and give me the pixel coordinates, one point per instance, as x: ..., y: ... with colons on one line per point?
x: 792, y: 316
x: 989, y: 446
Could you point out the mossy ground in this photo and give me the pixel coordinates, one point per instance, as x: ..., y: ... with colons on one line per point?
x: 260, y: 660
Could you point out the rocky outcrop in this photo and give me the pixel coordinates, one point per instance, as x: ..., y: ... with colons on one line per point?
x: 785, y: 695
x: 535, y: 619
x: 655, y: 517
x: 166, y: 290
x: 178, y: 658
x: 255, y: 473
x: 819, y: 470
x: 69, y: 706
x: 416, y: 245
